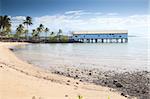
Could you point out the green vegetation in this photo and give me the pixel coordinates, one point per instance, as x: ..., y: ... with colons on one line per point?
x: 27, y: 22
x: 39, y: 34
x: 5, y: 25
x: 63, y: 39
x: 20, y: 31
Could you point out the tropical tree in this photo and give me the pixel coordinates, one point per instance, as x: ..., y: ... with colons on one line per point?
x: 41, y: 26
x: 46, y: 31
x: 5, y: 25
x: 40, y: 29
x: 20, y: 30
x: 34, y: 34
x: 25, y: 32
x: 52, y: 33
x: 27, y: 22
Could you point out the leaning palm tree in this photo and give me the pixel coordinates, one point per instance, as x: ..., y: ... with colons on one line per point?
x: 27, y: 22
x: 20, y: 31
x: 38, y: 31
x: 46, y: 31
x: 5, y: 25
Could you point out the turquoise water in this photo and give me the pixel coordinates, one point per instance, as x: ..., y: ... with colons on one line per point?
x: 108, y: 56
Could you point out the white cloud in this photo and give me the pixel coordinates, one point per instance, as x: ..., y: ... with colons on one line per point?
x: 74, y: 12
x: 73, y: 21
x: 16, y: 21
x: 112, y: 14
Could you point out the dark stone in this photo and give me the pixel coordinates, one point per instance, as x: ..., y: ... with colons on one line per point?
x: 114, y: 81
x: 90, y: 74
x: 67, y: 84
x: 44, y: 77
x: 11, y: 49
x: 76, y: 76
x: 77, y: 83
x: 66, y: 95
x: 106, y: 75
x: 68, y: 80
x: 137, y: 91
x: 57, y: 72
x: 118, y: 85
x: 68, y: 75
x: 122, y: 94
x: 143, y: 91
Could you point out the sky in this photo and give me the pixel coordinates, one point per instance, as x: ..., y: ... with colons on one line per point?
x: 77, y: 15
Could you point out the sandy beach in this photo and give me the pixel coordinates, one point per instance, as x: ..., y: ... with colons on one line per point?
x: 20, y: 80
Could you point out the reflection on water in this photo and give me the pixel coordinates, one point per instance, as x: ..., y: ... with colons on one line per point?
x: 111, y: 56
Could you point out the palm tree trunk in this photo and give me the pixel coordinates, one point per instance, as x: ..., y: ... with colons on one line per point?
x: 46, y: 37
x: 27, y: 33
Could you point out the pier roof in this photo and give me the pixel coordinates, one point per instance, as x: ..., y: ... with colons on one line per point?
x: 102, y: 32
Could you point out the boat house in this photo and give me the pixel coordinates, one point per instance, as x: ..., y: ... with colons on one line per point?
x: 105, y: 36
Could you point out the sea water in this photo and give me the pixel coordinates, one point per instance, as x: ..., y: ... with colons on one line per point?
x: 130, y: 56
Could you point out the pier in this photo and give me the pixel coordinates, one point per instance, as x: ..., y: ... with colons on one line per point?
x: 106, y: 36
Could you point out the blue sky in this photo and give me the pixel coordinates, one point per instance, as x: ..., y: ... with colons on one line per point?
x: 76, y: 15
x: 48, y: 7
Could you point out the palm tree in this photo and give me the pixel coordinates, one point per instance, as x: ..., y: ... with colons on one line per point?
x: 25, y: 32
x: 27, y: 22
x: 46, y: 31
x: 41, y: 26
x: 20, y: 30
x: 34, y: 34
x: 40, y: 29
x: 52, y: 33
x: 5, y: 25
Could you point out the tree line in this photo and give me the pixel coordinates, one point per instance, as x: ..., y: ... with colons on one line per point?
x: 22, y: 31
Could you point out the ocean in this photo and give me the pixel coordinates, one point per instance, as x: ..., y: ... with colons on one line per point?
x: 131, y: 56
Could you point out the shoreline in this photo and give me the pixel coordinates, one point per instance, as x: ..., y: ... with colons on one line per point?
x: 22, y: 80
x: 127, y: 83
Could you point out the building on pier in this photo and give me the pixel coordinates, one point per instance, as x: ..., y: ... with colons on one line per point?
x: 105, y: 36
